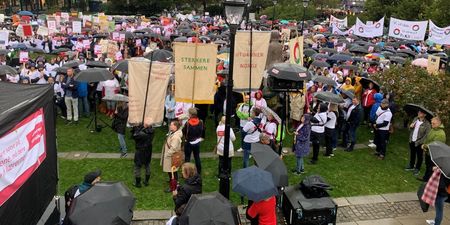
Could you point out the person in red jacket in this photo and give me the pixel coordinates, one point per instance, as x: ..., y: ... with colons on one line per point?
x: 368, y: 100
x: 265, y: 211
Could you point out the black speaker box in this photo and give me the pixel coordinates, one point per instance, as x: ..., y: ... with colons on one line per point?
x: 299, y: 210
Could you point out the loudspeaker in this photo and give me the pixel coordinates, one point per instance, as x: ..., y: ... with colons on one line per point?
x: 276, y: 84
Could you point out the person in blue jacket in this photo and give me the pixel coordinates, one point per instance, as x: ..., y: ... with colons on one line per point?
x: 373, y: 111
x: 83, y: 103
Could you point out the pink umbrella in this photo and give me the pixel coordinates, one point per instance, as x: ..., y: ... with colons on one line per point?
x: 421, y: 62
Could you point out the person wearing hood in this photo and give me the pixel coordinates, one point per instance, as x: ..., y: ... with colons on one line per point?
x: 301, y: 146
x: 368, y: 100
x: 194, y: 133
x: 373, y: 111
x: 436, y: 133
x: 381, y: 127
x: 192, y: 185
x: 252, y: 131
x: 419, y: 130
x: 347, y: 86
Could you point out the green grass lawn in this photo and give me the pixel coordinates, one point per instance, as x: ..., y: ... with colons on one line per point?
x: 351, y: 174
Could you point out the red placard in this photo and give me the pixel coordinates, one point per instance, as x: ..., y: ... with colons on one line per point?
x: 27, y: 30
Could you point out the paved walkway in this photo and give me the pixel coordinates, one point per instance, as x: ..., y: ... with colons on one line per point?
x: 387, y: 209
x: 155, y: 155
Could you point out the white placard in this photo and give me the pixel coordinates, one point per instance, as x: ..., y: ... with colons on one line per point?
x: 4, y: 37
x: 43, y: 31
x: 76, y: 27
x: 23, y: 57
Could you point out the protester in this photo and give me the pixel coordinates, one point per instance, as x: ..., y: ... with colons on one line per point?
x: 368, y: 100
x: 419, y: 131
x: 169, y: 105
x: 69, y: 86
x: 265, y: 210
x: 436, y: 133
x: 171, y: 146
x: 243, y: 113
x: 258, y: 101
x: 301, y: 143
x: 119, y: 125
x: 143, y: 137
x: 297, y: 106
x: 437, y: 197
x: 318, y: 122
x: 381, y: 127
x: 220, y: 132
x: 252, y: 132
x: 192, y: 185
x: 194, y: 133
x: 90, y: 179
x: 330, y: 129
x: 351, y: 124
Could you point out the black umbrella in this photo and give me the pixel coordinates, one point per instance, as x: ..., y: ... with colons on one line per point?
x: 327, y: 96
x: 349, y: 67
x: 59, y: 50
x: 397, y: 59
x: 35, y: 50
x: 412, y: 109
x: 402, y: 54
x: 121, y: 66
x: 5, y: 69
x: 348, y: 93
x: 220, y: 42
x: 320, y: 56
x: 160, y: 55
x: 25, y: 13
x: 341, y: 57
x: 96, y: 64
x: 358, y: 49
x: 270, y: 161
x: 440, y: 155
x: 255, y: 183
x: 309, y: 52
x: 104, y: 203
x: 329, y: 50
x: 208, y: 209
x: 365, y: 83
x: 180, y: 39
x: 94, y: 75
x: 61, y: 70
x: 407, y: 51
x: 128, y: 35
x: 72, y: 64
x: 100, y: 36
x: 325, y: 80
x: 20, y: 46
x: 319, y: 63
x: 288, y: 71
x: 4, y: 51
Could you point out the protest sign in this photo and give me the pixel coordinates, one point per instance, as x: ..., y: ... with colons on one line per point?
x: 439, y: 35
x: 408, y: 30
x: 23, y: 57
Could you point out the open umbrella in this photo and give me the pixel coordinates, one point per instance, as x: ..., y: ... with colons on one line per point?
x: 94, y: 75
x: 327, y: 96
x: 270, y: 161
x: 440, y: 155
x: 255, y: 183
x: 319, y: 63
x: 358, y: 49
x: 397, y: 59
x: 72, y: 64
x: 421, y: 62
x: 25, y: 13
x: 61, y: 69
x: 180, y: 39
x: 5, y: 69
x: 349, y: 67
x: 268, y: 111
x: 412, y: 109
x: 160, y: 55
x: 208, y: 209
x: 288, y: 71
x: 309, y: 52
x: 341, y: 57
x: 325, y: 80
x: 320, y: 56
x: 20, y: 46
x: 365, y: 83
x: 116, y: 98
x: 96, y: 64
x: 121, y: 66
x: 348, y: 93
x: 220, y: 42
x: 408, y: 52
x: 104, y: 203
x: 329, y: 50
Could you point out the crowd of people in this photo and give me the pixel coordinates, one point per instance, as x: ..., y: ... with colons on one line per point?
x: 316, y: 123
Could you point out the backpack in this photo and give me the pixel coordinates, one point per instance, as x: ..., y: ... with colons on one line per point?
x: 69, y: 195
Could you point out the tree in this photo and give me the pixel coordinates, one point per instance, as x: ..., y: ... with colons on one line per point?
x: 438, y: 12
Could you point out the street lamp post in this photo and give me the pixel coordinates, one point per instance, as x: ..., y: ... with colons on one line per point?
x: 305, y: 5
x: 273, y: 15
x: 234, y: 13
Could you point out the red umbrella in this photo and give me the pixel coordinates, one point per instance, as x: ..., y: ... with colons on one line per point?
x: 173, y: 182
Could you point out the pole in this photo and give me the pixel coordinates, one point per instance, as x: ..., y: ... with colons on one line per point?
x: 283, y: 120
x: 224, y: 187
x: 273, y: 16
x: 251, y: 57
x: 303, y: 19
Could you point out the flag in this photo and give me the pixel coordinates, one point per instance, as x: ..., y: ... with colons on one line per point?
x: 296, y: 50
x: 195, y: 72
x: 137, y: 88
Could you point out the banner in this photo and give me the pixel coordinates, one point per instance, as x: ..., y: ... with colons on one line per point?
x: 439, y: 35
x: 27, y: 30
x: 336, y: 31
x: 340, y: 23
x: 369, y: 31
x: 433, y: 64
x: 76, y: 27
x: 408, y: 30
x: 241, y: 68
x: 22, y: 151
x: 195, y: 72
x: 138, y: 69
x: 296, y: 50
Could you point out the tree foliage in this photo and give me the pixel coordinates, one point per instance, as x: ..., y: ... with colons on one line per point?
x: 410, y: 84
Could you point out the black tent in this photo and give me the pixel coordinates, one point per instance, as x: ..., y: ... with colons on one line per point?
x: 28, y: 152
